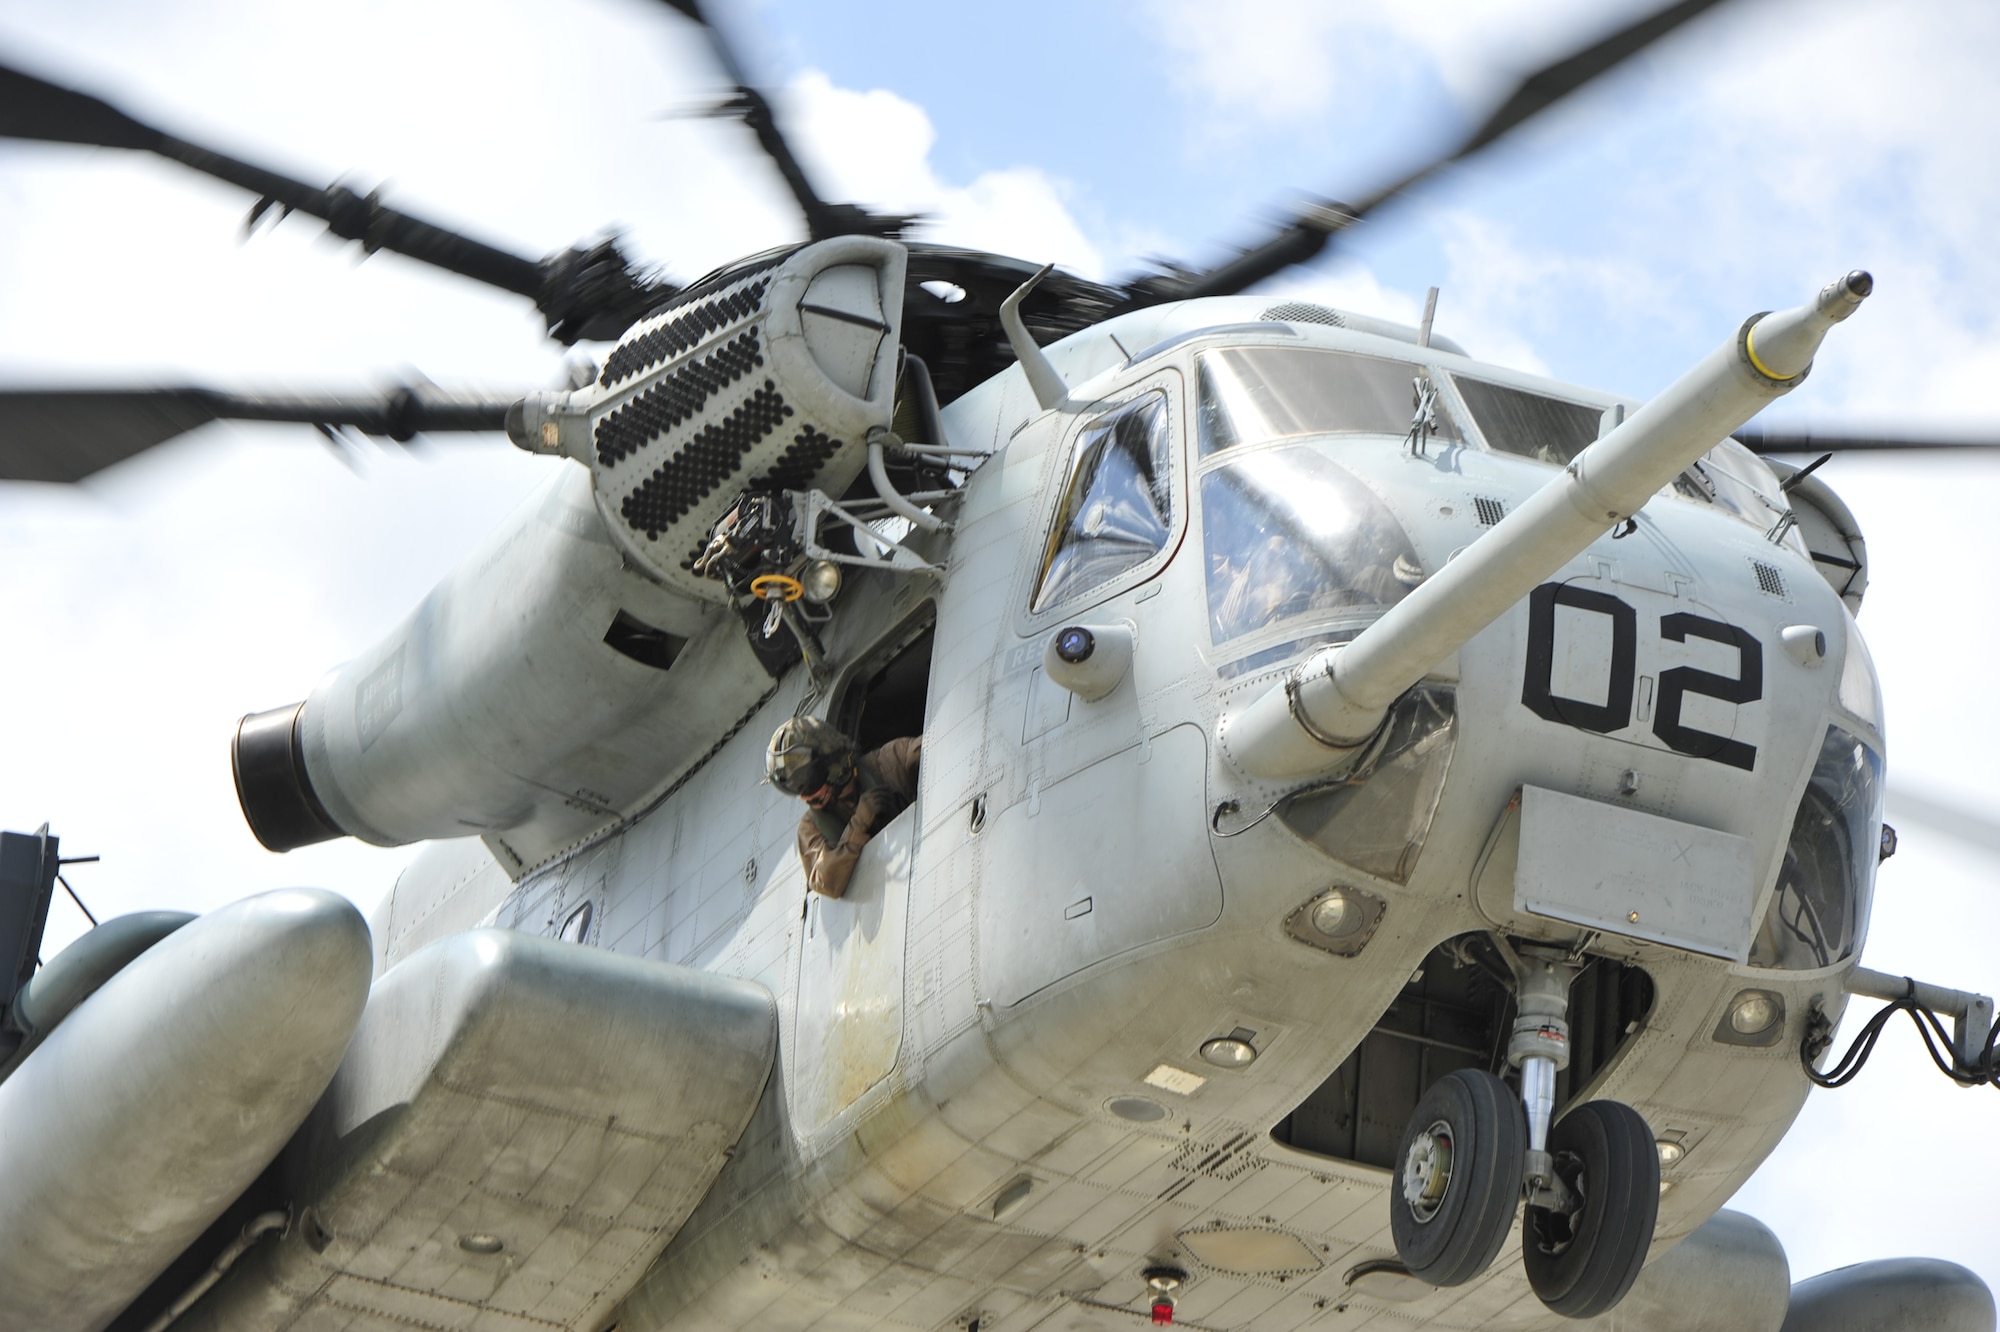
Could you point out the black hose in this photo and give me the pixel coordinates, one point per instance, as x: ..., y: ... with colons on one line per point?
x: 1819, y: 1035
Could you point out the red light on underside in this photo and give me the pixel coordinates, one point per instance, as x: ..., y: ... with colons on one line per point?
x: 1163, y: 1313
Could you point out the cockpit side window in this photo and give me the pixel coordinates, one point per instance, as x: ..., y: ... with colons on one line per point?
x: 1253, y: 394
x: 1116, y: 510
x: 1819, y: 913
x: 1528, y: 424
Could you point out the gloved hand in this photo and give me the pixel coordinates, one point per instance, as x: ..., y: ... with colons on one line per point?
x: 875, y: 808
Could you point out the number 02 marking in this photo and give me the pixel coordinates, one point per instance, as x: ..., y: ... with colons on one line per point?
x: 1615, y: 713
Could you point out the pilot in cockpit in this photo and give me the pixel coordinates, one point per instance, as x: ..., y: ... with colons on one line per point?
x: 850, y: 798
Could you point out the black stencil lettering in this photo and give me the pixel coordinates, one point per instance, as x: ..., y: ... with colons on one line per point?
x: 1537, y: 692
x: 1746, y: 687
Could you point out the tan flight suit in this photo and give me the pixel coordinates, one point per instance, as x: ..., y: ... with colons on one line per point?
x: 830, y: 839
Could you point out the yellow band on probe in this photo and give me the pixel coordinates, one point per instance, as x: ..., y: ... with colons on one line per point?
x: 1750, y: 349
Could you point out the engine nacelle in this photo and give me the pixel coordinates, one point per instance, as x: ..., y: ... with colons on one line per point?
x: 533, y: 696
x: 542, y: 690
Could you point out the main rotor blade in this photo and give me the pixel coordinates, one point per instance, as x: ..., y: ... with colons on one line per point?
x: 65, y: 435
x: 1949, y: 817
x: 1307, y: 234
x: 823, y: 219
x: 1805, y: 441
x: 582, y: 292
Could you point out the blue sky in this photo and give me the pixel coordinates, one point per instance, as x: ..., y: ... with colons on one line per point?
x: 1762, y: 152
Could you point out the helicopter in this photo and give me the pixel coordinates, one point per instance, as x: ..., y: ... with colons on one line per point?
x: 1873, y: 605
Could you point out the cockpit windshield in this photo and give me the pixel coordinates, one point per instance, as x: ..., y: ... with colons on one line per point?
x: 1253, y: 394
x: 1532, y: 425
x: 1819, y: 913
x: 1290, y: 533
x: 1555, y: 430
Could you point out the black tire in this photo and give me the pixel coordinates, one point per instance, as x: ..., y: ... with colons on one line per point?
x: 1582, y: 1266
x: 1451, y: 1234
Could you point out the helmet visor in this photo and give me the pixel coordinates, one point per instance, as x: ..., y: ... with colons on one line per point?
x: 798, y: 771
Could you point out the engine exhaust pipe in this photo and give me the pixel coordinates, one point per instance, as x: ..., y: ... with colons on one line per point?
x: 1330, y: 706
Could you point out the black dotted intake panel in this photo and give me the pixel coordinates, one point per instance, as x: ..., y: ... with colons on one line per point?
x: 800, y: 462
x: 687, y: 330
x: 710, y: 456
x: 676, y: 398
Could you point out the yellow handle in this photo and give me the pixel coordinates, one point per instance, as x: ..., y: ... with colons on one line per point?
x: 776, y: 587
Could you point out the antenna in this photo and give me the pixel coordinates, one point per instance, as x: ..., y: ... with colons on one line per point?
x: 1051, y: 389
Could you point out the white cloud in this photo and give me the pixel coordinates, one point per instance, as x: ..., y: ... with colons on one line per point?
x: 875, y: 147
x: 1752, y: 156
x: 1871, y: 131
x: 1279, y: 59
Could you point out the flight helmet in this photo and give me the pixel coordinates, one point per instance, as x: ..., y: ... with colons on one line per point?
x: 807, y: 753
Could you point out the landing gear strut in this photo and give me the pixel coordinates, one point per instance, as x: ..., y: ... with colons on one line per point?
x: 1473, y: 1149
x: 1592, y: 1182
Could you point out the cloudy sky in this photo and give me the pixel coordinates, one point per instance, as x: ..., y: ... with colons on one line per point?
x: 1762, y: 152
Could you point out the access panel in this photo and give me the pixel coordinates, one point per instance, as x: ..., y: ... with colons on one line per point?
x: 1111, y: 858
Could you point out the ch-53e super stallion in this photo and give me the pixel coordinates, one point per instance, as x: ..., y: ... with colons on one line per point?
x: 1394, y: 834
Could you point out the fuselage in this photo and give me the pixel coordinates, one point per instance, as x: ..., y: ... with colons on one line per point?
x: 991, y: 1099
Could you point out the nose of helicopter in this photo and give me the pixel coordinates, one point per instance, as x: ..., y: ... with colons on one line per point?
x: 1323, y: 714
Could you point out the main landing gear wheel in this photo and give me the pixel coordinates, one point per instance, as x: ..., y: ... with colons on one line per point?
x: 1458, y: 1177
x: 1582, y: 1264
